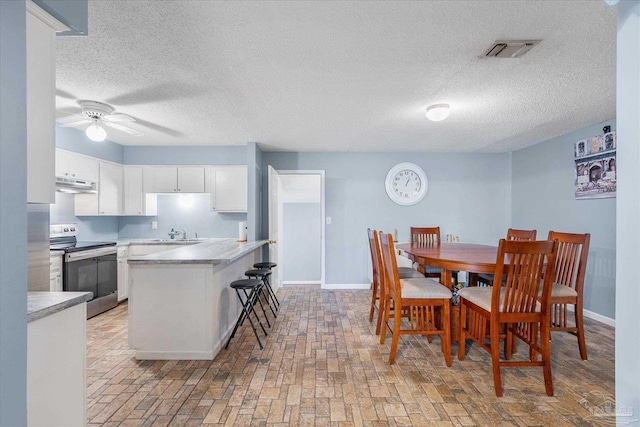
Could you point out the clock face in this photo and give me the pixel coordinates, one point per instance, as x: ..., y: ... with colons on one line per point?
x: 406, y: 184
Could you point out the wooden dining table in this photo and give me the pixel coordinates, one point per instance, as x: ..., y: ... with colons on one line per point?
x: 450, y: 257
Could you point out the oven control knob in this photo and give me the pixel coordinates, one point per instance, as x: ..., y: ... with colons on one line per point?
x: 72, y: 229
x: 66, y: 229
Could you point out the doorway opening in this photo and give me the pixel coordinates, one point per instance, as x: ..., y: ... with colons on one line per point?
x: 296, y: 212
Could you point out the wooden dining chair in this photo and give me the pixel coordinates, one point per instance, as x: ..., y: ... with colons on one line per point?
x: 514, y: 306
x: 568, y: 284
x: 426, y: 236
x: 377, y: 291
x: 419, y: 299
x: 512, y: 234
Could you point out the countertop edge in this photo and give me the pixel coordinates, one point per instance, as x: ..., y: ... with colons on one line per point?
x: 43, y: 304
x: 249, y: 247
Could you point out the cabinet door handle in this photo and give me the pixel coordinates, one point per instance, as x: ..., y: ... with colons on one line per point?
x: 175, y: 189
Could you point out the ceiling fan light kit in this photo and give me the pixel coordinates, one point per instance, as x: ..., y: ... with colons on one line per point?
x: 99, y: 115
x: 438, y: 112
x: 95, y: 132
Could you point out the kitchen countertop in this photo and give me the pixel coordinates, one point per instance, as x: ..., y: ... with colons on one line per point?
x: 211, y: 251
x: 159, y: 241
x: 43, y: 304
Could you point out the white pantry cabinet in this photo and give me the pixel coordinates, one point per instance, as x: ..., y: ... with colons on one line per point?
x: 41, y: 31
x: 135, y: 201
x: 77, y: 166
x: 228, y: 188
x: 108, y: 201
x: 171, y: 179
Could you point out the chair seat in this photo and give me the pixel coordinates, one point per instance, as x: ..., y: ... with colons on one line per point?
x: 423, y: 288
x: 481, y: 297
x: 257, y: 273
x: 265, y: 264
x: 561, y: 291
x: 409, y: 273
x: 245, y: 283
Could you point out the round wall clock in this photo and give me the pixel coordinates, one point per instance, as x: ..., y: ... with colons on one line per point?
x: 406, y: 184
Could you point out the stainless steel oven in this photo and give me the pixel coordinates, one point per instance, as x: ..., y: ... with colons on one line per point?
x: 87, y: 267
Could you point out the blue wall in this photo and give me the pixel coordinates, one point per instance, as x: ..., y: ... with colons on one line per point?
x: 543, y: 198
x: 75, y: 140
x: 188, y: 212
x: 302, y: 244
x: 13, y: 215
x: 469, y: 196
x: 90, y: 228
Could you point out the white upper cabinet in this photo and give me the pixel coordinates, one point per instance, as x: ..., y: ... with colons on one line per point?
x: 110, y: 189
x: 136, y: 202
x: 228, y: 188
x: 108, y: 201
x: 170, y: 179
x: 76, y: 166
x: 41, y: 77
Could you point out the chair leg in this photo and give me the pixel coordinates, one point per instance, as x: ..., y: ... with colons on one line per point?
x: 580, y: 333
x: 381, y: 309
x: 545, y: 350
x: 495, y: 358
x: 374, y: 297
x: 397, y: 319
x: 385, y: 320
x: 446, y: 337
x: 259, y: 293
x: 462, y: 323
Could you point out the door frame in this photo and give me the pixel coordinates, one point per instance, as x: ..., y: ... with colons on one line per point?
x: 322, y: 215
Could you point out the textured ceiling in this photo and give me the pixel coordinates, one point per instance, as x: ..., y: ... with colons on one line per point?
x: 343, y: 76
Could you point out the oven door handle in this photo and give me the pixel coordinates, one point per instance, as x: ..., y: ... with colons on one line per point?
x: 91, y: 253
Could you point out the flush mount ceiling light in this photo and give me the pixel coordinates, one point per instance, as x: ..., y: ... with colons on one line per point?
x: 437, y: 112
x: 96, y: 132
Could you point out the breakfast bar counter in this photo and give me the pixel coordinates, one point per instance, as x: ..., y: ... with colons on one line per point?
x: 180, y: 304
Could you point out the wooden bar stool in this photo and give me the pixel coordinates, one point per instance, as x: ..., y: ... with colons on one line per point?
x: 263, y: 276
x: 252, y: 286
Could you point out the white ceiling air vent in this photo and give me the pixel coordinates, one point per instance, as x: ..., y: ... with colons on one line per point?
x: 509, y: 48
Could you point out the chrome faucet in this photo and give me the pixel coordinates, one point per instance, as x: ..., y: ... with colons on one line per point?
x: 177, y: 233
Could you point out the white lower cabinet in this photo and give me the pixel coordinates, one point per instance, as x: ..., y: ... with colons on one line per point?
x: 123, y: 273
x: 228, y: 188
x: 57, y: 369
x: 55, y: 270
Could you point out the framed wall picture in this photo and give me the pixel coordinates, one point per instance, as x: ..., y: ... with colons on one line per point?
x: 595, y: 167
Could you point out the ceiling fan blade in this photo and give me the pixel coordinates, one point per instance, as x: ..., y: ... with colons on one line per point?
x: 118, y: 118
x: 122, y: 128
x: 76, y: 123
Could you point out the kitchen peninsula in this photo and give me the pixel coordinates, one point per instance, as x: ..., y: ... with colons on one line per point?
x: 180, y: 304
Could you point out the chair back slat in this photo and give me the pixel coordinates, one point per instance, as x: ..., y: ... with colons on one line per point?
x: 425, y: 235
x: 376, y: 261
x: 390, y: 266
x: 571, y: 262
x: 514, y: 234
x: 526, y: 264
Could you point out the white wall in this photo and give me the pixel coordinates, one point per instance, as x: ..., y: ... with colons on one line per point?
x: 628, y: 223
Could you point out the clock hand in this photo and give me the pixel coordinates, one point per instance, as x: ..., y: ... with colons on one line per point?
x: 407, y: 182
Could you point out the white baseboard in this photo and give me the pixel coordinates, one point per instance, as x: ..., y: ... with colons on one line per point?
x: 300, y: 282
x: 595, y: 316
x: 347, y: 286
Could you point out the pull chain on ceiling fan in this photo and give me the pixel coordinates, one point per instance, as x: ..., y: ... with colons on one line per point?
x: 99, y: 115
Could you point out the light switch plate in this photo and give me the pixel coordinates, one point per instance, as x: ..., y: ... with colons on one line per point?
x: 154, y: 225
x: 328, y: 220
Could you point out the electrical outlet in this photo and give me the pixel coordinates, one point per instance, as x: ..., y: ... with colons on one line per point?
x: 328, y: 220
x: 154, y: 225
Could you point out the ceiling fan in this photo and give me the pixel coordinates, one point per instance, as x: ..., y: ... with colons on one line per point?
x: 99, y: 115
